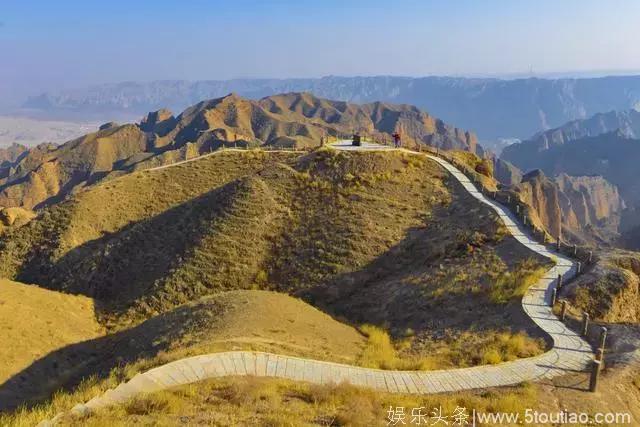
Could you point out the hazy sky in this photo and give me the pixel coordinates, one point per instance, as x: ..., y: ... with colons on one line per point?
x: 60, y: 44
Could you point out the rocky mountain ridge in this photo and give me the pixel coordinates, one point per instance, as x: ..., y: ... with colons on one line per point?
x: 47, y: 173
x: 625, y: 123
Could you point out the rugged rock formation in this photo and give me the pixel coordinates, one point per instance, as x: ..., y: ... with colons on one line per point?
x: 12, y: 153
x: 610, y: 291
x: 47, y: 173
x: 589, y: 201
x: 505, y: 172
x: 158, y: 122
x: 612, y: 156
x: 8, y: 157
x: 581, y: 148
x: 542, y: 195
x: 301, y: 119
x: 584, y: 209
x: 14, y: 217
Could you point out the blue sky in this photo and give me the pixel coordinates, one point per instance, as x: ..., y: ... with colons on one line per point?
x: 62, y: 44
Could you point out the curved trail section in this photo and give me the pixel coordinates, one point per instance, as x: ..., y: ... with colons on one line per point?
x: 569, y: 353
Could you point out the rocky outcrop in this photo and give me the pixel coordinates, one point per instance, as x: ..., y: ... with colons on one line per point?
x: 158, y: 122
x: 589, y: 201
x: 613, y: 156
x: 505, y: 172
x: 10, y: 154
x: 14, y: 217
x: 610, y: 290
x: 606, y: 145
x: 542, y: 196
x: 581, y: 209
x: 8, y: 158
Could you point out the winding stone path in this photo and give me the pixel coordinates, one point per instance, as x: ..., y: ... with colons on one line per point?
x: 569, y: 352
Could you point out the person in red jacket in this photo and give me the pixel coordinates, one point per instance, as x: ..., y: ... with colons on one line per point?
x: 396, y: 139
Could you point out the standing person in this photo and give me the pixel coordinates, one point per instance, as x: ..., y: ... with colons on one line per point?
x: 396, y: 139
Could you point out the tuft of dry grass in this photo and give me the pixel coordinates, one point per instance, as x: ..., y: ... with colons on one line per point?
x: 514, y: 284
x: 162, y: 402
x: 379, y: 351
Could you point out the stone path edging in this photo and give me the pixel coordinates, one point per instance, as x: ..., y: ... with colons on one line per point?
x: 569, y: 352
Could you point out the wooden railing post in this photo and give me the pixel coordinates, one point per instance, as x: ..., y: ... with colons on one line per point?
x: 585, y: 324
x: 602, y: 343
x: 595, y: 372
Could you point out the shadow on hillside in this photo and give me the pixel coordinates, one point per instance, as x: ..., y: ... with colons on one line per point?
x: 123, y: 266
x: 396, y: 289
x: 66, y: 367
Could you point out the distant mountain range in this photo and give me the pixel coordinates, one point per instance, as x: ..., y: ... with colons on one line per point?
x: 627, y: 123
x: 492, y: 108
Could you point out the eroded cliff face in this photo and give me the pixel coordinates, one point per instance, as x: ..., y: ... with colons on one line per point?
x: 505, y: 172
x: 589, y: 201
x: 542, y: 196
x: 610, y: 290
x: 581, y: 209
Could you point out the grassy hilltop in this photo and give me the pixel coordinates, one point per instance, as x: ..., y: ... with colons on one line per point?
x: 405, y: 269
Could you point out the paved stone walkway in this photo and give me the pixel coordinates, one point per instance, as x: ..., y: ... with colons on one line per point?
x: 569, y: 353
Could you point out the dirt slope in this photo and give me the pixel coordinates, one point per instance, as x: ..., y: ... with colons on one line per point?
x: 36, y: 321
x: 252, y: 320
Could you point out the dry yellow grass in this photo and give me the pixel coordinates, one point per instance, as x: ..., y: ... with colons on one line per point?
x: 268, y: 402
x: 274, y: 402
x: 254, y: 320
x: 237, y: 320
x: 472, y: 165
x: 469, y: 349
x: 513, y: 284
x: 36, y: 321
